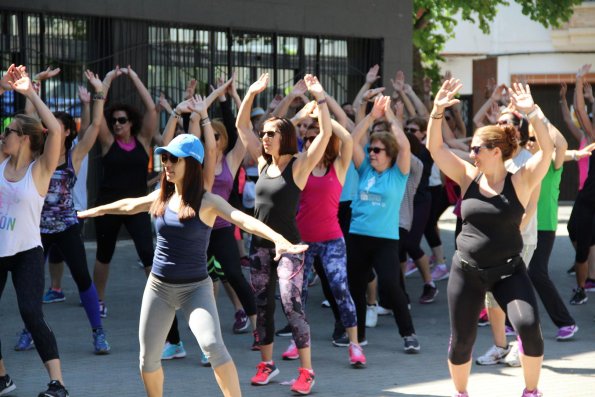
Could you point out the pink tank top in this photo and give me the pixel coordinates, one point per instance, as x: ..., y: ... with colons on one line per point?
x: 317, y: 218
x: 583, y: 165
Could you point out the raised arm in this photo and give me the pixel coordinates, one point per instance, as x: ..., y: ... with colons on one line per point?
x: 427, y: 87
x: 399, y: 91
x: 250, y: 141
x: 105, y: 136
x: 338, y: 112
x: 496, y: 96
x: 85, y: 98
x: 127, y: 206
x: 420, y: 108
x: 560, y: 145
x: 452, y: 166
x: 297, y: 91
x: 361, y: 104
x: 404, y: 156
x: 346, y: 151
x: 360, y: 131
x: 149, y: 127
x: 198, y: 105
x: 579, y: 102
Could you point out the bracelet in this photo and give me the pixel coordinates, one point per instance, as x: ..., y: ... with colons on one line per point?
x: 533, y: 112
x: 437, y: 116
x: 322, y: 101
x: 98, y: 96
x: 175, y: 114
x: 574, y: 155
x: 205, y: 121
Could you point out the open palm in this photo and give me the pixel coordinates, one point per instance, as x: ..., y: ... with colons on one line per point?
x: 445, y: 96
x: 521, y: 97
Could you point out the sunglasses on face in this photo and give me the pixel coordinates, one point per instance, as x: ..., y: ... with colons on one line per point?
x: 217, y: 136
x: 120, y: 120
x: 532, y: 139
x: 309, y: 139
x: 268, y: 134
x: 477, y: 149
x: 165, y: 157
x: 447, y: 118
x: 507, y: 122
x: 303, y: 125
x: 8, y: 131
x: 410, y: 130
x: 375, y: 149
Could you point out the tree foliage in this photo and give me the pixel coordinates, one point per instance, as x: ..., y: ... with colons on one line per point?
x: 434, y: 23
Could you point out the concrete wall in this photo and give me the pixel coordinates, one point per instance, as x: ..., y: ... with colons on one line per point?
x: 386, y: 19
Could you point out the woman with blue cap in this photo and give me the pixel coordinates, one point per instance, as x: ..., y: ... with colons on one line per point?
x: 185, y: 214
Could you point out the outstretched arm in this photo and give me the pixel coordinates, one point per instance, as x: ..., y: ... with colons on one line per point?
x: 127, y: 206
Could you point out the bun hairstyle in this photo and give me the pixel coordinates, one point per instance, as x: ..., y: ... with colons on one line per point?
x: 69, y: 124
x: 502, y: 137
x: 34, y: 129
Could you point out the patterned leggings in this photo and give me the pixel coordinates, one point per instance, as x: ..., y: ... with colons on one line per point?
x: 263, y: 277
x: 333, y: 256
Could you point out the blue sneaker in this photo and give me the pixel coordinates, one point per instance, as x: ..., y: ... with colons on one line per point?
x: 53, y: 296
x: 99, y: 343
x: 171, y: 351
x: 25, y: 341
x: 102, y: 309
x: 204, y: 361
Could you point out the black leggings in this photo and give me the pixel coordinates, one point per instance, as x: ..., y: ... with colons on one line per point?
x: 28, y: 280
x: 70, y: 244
x: 223, y: 246
x: 580, y: 227
x: 439, y: 205
x: 466, y: 291
x: 139, y: 228
x: 410, y: 242
x: 365, y: 253
x: 539, y: 274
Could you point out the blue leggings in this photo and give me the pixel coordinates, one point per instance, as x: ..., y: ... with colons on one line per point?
x: 333, y: 255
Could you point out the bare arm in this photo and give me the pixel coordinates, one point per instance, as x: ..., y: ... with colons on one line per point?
x: 149, y: 127
x: 360, y: 131
x: 530, y: 208
x: 298, y: 90
x: 243, y: 124
x: 404, y: 156
x: 85, y: 98
x: 400, y: 91
x: 199, y: 105
x: 338, y: 112
x: 480, y: 116
x: 579, y: 99
x: 420, y: 108
x: 560, y: 145
x: 346, y: 152
x: 127, y: 206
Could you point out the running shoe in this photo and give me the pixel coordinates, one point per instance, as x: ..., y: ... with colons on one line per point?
x: 285, y: 331
x: 571, y: 271
x: 512, y: 359
x: 55, y: 389
x: 579, y: 297
x: 241, y: 323
x: 54, y: 296
x: 383, y: 311
x: 171, y: 351
x: 245, y: 262
x: 590, y: 285
x: 411, y: 344
x: 509, y: 331
x: 304, y: 382
x: 25, y: 341
x: 533, y: 393
x: 256, y: 344
x: 102, y: 309
x: 264, y: 373
x: 567, y: 332
x: 6, y: 385
x: 494, y: 355
x: 371, y: 316
x: 339, y: 331
x: 356, y: 356
x: 204, y: 361
x: 291, y: 353
x: 461, y: 394
x: 483, y: 318
x: 344, y: 342
x: 440, y: 272
x: 410, y: 267
x: 313, y: 279
x: 429, y: 294
x: 100, y: 344
x: 325, y: 303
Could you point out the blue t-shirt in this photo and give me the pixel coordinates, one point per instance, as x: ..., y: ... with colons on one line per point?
x: 375, y: 210
x: 350, y: 186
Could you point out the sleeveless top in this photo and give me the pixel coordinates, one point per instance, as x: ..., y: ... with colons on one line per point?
x: 222, y: 186
x: 58, y: 212
x: 317, y: 219
x: 406, y: 210
x: 20, y: 213
x: 583, y: 165
x: 181, y: 251
x: 547, y: 206
x: 490, y: 232
x: 588, y: 191
x: 276, y: 205
x: 124, y: 173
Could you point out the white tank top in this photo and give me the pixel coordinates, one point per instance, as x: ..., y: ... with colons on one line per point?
x: 20, y: 213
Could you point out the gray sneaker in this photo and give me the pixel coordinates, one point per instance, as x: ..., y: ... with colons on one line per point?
x: 493, y: 356
x: 411, y: 344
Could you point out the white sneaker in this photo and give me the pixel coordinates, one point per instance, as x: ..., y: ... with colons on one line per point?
x: 371, y: 316
x: 512, y: 359
x: 493, y: 356
x: 383, y: 311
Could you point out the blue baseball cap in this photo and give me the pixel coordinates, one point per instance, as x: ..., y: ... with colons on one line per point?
x: 184, y: 145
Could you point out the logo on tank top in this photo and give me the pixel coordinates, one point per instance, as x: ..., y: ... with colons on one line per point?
x: 7, y: 222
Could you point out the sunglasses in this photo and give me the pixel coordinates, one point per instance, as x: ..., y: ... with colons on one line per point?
x: 268, y: 134
x: 477, y: 149
x: 447, y: 118
x: 217, y: 137
x: 165, y: 157
x: 410, y: 130
x: 532, y: 139
x: 120, y: 120
x: 309, y: 139
x: 8, y: 131
x: 507, y: 122
x: 375, y: 149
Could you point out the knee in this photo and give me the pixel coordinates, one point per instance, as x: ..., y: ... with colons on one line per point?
x: 460, y: 350
x: 216, y: 352
x: 531, y: 338
x: 149, y: 363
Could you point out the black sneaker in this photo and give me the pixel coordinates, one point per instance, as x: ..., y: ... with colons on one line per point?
x: 6, y: 385
x: 344, y: 342
x: 55, y: 389
x: 579, y: 297
x: 339, y: 331
x: 411, y: 344
x: 285, y: 331
x: 571, y: 271
x: 428, y: 294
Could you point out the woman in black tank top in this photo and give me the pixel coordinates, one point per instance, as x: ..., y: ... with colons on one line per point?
x: 490, y: 242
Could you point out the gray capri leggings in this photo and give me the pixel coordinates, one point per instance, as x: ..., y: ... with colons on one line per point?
x: 160, y: 302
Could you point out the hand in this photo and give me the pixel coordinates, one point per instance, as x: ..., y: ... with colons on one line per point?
x: 379, y: 106
x: 490, y: 87
x: 407, y: 89
x: 445, y: 96
x: 9, y: 76
x: 314, y: 86
x: 584, y: 152
x: 582, y: 72
x: 19, y: 81
x: 259, y: 85
x: 299, y: 88
x: 588, y: 92
x: 46, y: 74
x: 198, y: 105
x: 90, y: 213
x: 84, y: 94
x: 184, y: 106
x: 371, y: 94
x: 388, y: 112
x: 399, y: 110
x: 493, y: 113
x: 399, y: 81
x: 305, y: 111
x: 563, y: 90
x: 285, y: 247
x: 275, y: 102
x: 499, y: 92
x: 427, y: 85
x: 372, y: 75
x: 129, y: 72
x: 190, y: 89
x: 232, y: 89
x: 95, y: 82
x: 163, y: 103
x: 447, y: 75
x: 110, y: 76
x: 521, y: 98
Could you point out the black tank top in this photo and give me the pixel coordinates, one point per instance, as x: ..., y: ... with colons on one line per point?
x: 276, y: 205
x: 124, y: 173
x: 491, y: 225
x: 587, y: 193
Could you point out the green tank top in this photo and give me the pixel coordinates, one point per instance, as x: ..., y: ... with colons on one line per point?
x: 547, y: 206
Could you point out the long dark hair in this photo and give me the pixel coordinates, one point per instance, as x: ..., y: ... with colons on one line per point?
x: 69, y: 124
x: 132, y: 114
x: 192, y: 192
x: 288, y: 137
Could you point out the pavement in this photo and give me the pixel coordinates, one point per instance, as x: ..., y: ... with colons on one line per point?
x: 568, y: 369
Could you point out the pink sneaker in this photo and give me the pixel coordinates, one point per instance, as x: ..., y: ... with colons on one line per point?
x: 483, y: 318
x: 440, y: 272
x: 461, y: 394
x: 534, y: 393
x: 291, y: 353
x: 356, y: 356
x: 410, y: 267
x: 590, y: 285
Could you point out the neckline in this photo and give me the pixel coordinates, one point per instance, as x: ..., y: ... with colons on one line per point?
x: 495, y: 195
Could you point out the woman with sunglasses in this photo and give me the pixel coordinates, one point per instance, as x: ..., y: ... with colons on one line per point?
x: 125, y: 141
x: 185, y: 213
x: 490, y: 244
x: 283, y: 175
x: 373, y: 241
x: 29, y: 154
